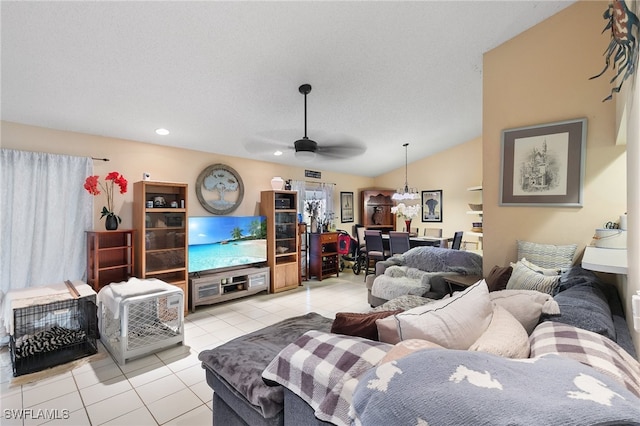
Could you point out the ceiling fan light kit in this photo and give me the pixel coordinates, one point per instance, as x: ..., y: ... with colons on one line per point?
x: 305, y: 149
x: 406, y: 193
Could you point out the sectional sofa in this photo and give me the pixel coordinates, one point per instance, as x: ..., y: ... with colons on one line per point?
x: 534, y: 358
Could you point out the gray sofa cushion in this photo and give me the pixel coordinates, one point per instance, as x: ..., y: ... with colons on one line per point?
x: 241, y: 361
x: 585, y: 306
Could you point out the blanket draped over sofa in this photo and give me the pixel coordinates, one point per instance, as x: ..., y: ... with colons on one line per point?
x: 419, y: 272
x: 466, y: 386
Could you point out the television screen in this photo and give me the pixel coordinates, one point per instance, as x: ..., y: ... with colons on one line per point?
x: 217, y: 242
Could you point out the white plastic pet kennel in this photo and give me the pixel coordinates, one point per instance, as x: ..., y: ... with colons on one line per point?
x: 133, y: 325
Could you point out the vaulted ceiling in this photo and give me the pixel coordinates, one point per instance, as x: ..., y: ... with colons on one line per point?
x: 223, y: 77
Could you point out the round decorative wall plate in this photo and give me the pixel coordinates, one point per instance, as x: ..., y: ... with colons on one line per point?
x: 219, y: 189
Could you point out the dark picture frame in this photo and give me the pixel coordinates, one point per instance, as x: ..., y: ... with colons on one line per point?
x: 346, y: 207
x: 432, y: 206
x: 543, y: 165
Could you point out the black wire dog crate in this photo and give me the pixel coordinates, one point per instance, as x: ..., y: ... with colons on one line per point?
x: 46, y: 335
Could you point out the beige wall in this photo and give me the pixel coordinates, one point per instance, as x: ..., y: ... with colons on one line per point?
x: 164, y: 164
x: 544, y: 72
x: 542, y: 76
x: 452, y: 171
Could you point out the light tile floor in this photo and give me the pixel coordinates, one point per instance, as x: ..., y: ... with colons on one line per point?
x: 168, y: 387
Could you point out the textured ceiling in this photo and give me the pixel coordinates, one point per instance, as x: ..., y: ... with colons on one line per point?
x: 222, y: 76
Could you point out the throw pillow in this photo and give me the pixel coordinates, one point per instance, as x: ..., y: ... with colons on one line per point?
x: 505, y: 336
x: 359, y: 324
x: 592, y: 349
x: 547, y: 255
x: 407, y: 347
x: 454, y: 323
x: 523, y: 278
x: 388, y: 330
x: 526, y: 305
x: 539, y: 269
x: 498, y: 277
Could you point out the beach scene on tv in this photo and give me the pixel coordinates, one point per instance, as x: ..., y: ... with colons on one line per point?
x: 217, y: 242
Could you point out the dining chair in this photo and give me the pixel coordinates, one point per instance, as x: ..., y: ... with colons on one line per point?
x: 398, y: 242
x: 374, y: 249
x: 457, y: 240
x: 433, y: 232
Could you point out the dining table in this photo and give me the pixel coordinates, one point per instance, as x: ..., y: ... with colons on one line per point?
x: 416, y: 241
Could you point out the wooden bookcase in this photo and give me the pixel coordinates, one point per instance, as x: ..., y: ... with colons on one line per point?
x: 280, y: 208
x: 323, y: 255
x: 162, y: 237
x: 110, y: 257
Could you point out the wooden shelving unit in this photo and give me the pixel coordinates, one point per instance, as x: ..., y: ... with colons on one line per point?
x: 375, y: 209
x: 162, y: 237
x: 110, y: 257
x: 280, y: 208
x: 323, y: 255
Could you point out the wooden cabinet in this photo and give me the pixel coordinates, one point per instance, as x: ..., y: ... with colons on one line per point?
x: 160, y: 219
x: 375, y: 209
x: 323, y: 255
x: 280, y: 208
x: 110, y: 257
x: 228, y: 285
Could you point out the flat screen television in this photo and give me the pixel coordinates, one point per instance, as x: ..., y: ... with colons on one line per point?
x: 224, y: 242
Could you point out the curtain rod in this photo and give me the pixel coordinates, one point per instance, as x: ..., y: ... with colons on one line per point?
x: 100, y: 159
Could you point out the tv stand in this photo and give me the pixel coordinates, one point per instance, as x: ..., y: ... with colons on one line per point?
x: 216, y: 287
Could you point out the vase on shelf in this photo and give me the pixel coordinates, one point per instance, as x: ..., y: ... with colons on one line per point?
x: 314, y: 225
x: 111, y: 222
x: 277, y: 183
x: 407, y: 224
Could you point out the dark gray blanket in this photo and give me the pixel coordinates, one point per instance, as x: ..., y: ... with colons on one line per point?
x: 437, y: 259
x: 241, y: 361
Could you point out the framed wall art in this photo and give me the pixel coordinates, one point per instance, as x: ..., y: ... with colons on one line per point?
x: 346, y: 207
x: 219, y: 189
x: 543, y: 165
x: 432, y: 206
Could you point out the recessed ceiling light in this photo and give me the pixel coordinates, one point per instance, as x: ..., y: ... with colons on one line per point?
x: 277, y: 153
x: 162, y: 132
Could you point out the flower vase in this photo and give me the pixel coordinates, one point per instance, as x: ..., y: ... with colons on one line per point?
x: 407, y: 224
x: 111, y: 222
x: 314, y: 225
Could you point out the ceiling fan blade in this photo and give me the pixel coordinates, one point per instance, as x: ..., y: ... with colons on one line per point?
x: 342, y: 150
x: 266, y: 143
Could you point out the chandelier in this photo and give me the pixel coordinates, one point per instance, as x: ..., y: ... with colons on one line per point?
x: 406, y: 193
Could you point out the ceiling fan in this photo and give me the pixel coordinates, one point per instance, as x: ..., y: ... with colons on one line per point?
x: 333, y: 146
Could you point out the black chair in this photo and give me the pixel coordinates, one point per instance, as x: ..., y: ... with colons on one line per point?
x: 398, y: 242
x: 374, y: 249
x: 457, y: 240
x: 361, y: 252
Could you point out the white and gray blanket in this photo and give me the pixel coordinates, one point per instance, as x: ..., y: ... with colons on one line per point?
x: 474, y: 388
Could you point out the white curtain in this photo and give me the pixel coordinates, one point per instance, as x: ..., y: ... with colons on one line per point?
x: 299, y: 185
x: 44, y: 214
x: 327, y: 191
